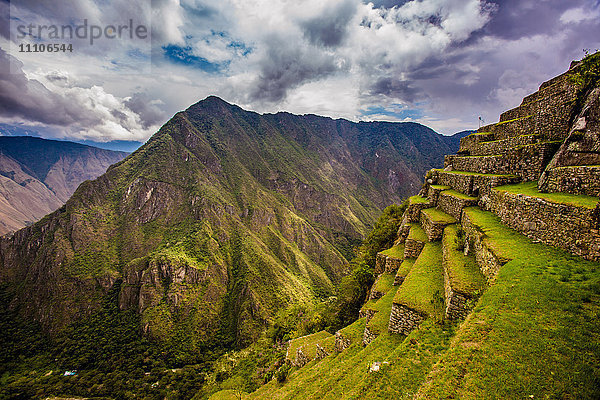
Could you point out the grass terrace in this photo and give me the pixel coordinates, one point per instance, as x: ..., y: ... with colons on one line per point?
x: 423, y: 288
x: 417, y: 233
x: 463, y: 272
x: 438, y: 216
x: 418, y: 200
x: 396, y: 251
x: 384, y: 283
x: 458, y: 195
x: 530, y: 189
x: 309, y: 341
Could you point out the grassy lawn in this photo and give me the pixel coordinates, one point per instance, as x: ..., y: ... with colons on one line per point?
x: 396, y: 251
x: 385, y: 282
x: 424, y: 286
x: 406, y: 266
x: 417, y: 200
x: 438, y: 216
x: 458, y: 195
x: 533, y: 334
x: 309, y: 341
x: 379, y: 322
x: 417, y: 233
x: 440, y: 187
x: 530, y: 189
x: 463, y: 273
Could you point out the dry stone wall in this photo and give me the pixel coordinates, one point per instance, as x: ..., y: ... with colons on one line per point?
x: 392, y: 264
x: 575, y: 229
x: 368, y: 336
x: 403, y: 320
x: 488, y: 262
x: 412, y: 248
x: 454, y: 205
x: 527, y: 162
x: 341, y: 342
x: 575, y: 180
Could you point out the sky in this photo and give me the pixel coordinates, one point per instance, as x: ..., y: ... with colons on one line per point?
x: 442, y: 63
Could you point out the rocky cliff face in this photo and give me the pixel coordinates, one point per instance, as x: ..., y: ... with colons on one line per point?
x: 37, y: 176
x: 222, y: 218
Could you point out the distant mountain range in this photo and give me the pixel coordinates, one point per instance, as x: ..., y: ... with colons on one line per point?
x: 37, y: 176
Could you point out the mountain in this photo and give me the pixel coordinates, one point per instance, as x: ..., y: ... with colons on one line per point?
x: 492, y: 287
x: 222, y: 218
x: 454, y: 140
x: 37, y: 176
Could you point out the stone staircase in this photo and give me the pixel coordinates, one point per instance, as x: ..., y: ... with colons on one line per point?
x: 537, y: 170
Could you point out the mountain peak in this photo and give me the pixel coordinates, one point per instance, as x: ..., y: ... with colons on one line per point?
x: 211, y: 102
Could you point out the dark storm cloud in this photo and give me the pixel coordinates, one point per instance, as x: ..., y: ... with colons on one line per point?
x: 4, y: 19
x: 395, y: 88
x: 287, y: 66
x: 514, y: 19
x: 31, y: 100
x: 150, y: 114
x: 330, y: 28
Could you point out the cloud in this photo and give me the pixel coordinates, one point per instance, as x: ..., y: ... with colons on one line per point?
x: 436, y: 61
x: 330, y: 28
x: 147, y: 109
x: 82, y: 112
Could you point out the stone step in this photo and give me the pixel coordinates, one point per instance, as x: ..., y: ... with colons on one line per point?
x: 578, y: 180
x: 453, y: 202
x: 474, y: 140
x: 378, y: 321
x: 403, y: 271
x: 567, y: 221
x: 502, y: 146
x: 302, y: 350
x: 510, y: 128
x: 415, y: 241
x: 421, y: 294
x: 415, y: 205
x: 352, y: 333
x: 433, y: 192
x: 463, y: 281
x: 550, y: 96
x: 434, y: 221
x: 389, y: 260
x: 527, y: 162
x: 471, y: 183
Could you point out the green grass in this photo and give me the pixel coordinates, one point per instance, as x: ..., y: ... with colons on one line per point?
x: 513, y: 120
x: 384, y: 283
x: 501, y: 140
x: 355, y: 330
x: 406, y: 266
x: 533, y: 334
x: 418, y: 200
x: 440, y: 187
x: 463, y: 272
x: 417, y: 233
x: 474, y: 173
x: 530, y: 189
x: 425, y: 282
x: 307, y: 343
x: 379, y: 323
x: 396, y: 251
x: 458, y: 195
x: 438, y: 216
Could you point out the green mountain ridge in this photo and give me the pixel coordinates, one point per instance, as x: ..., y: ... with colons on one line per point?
x: 222, y: 218
x: 37, y: 176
